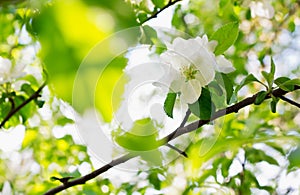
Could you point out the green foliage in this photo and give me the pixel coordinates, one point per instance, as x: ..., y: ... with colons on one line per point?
x: 225, y: 36
x: 294, y: 158
x: 169, y: 104
x: 261, y: 96
x: 204, y: 108
x: 141, y: 137
x: 248, y: 79
x: 270, y: 76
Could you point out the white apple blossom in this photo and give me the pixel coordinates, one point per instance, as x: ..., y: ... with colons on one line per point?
x: 261, y: 8
x: 190, y: 65
x: 8, y: 72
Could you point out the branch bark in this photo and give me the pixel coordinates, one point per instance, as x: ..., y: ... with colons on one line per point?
x: 170, y: 3
x: 178, y: 132
x: 34, y: 96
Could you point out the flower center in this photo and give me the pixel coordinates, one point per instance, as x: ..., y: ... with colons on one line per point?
x: 189, y: 72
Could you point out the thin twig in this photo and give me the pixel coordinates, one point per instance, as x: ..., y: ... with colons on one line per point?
x: 179, y: 131
x: 290, y: 101
x: 177, y: 150
x: 186, y: 117
x: 170, y: 3
x: 34, y: 96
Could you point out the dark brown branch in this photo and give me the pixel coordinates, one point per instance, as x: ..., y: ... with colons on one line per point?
x: 82, y: 180
x: 231, y: 109
x: 170, y: 3
x: 290, y: 101
x: 179, y: 131
x: 16, y: 109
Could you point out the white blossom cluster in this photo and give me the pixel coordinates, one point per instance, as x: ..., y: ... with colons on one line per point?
x: 190, y: 65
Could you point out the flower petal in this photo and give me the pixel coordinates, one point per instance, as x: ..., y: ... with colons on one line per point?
x: 190, y: 91
x: 224, y: 65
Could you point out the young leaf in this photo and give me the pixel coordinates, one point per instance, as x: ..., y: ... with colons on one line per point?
x: 225, y: 36
x: 254, y: 156
x: 270, y: 76
x: 158, y: 3
x: 228, y: 87
x: 169, y: 104
x: 154, y: 180
x: 273, y: 104
x: 142, y: 137
x: 281, y: 80
x: 147, y: 35
x: 153, y: 157
x: 261, y: 96
x: 27, y: 89
x: 249, y: 79
x: 216, y: 88
x: 204, y: 107
x: 287, y: 84
x: 294, y: 158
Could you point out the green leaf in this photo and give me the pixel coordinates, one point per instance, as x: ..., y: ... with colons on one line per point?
x: 154, y: 180
x: 225, y: 167
x: 294, y: 158
x: 148, y: 35
x: 216, y: 88
x: 222, y: 3
x: 270, y: 76
x: 287, y: 84
x: 254, y: 156
x: 158, y: 3
x: 228, y: 87
x: 273, y: 104
x: 153, y: 157
x: 142, y: 16
x: 225, y: 36
x: 28, y: 110
x: 206, y: 173
x: 169, y: 104
x: 204, y: 108
x: 291, y: 26
x: 280, y: 80
x: 27, y: 89
x: 39, y: 103
x: 63, y: 121
x: 142, y: 136
x: 261, y: 96
x: 281, y: 83
x: 249, y: 79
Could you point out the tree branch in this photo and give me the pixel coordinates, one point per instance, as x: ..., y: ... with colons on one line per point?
x: 34, y: 96
x: 177, y: 150
x: 179, y: 131
x: 290, y: 101
x: 170, y: 3
x: 231, y: 109
x: 82, y: 180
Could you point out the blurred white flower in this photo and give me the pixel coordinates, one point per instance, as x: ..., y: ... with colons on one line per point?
x: 190, y: 65
x: 261, y: 9
x: 6, y: 190
x: 8, y: 72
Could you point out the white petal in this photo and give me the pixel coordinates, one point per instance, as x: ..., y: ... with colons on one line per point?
x: 224, y: 65
x: 7, y: 188
x: 177, y: 83
x: 190, y: 91
x: 5, y: 66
